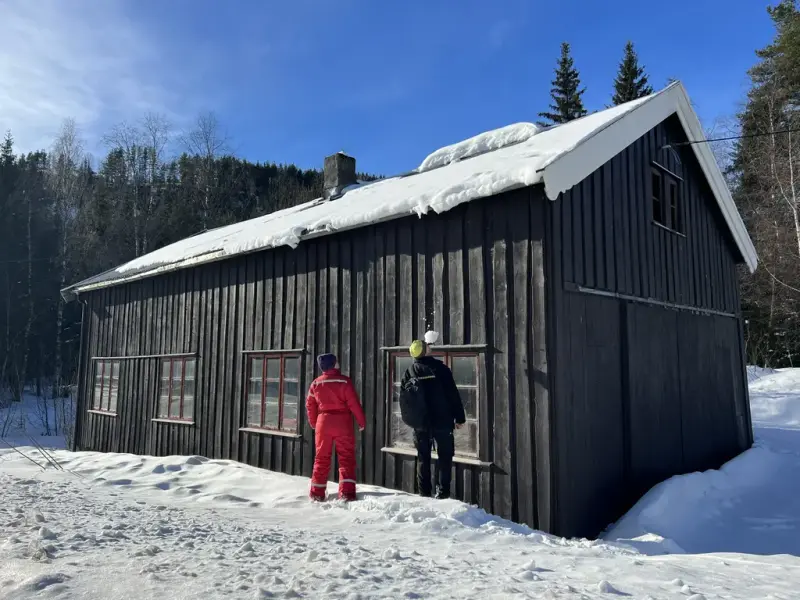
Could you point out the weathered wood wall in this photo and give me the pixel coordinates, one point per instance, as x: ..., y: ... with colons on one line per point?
x: 475, y: 274
x: 643, y: 386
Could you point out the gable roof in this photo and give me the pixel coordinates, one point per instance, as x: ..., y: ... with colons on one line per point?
x: 509, y: 158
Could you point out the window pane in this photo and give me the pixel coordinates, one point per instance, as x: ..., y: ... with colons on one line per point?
x: 257, y: 367
x: 112, y: 397
x: 254, y: 389
x: 163, y: 406
x: 254, y: 410
x: 289, y: 416
x: 396, y: 398
x: 291, y: 398
x: 106, y: 385
x: 115, y: 370
x: 466, y: 439
x: 165, y: 369
x: 291, y: 368
x: 291, y: 391
x: 163, y: 389
x: 271, y: 413
x: 188, y: 388
x: 469, y: 396
x: 658, y: 205
x: 273, y: 368
x: 188, y: 406
x: 656, y: 183
x: 273, y: 390
x: 673, y: 200
x: 175, y: 403
x: 401, y: 433
x: 97, y: 391
x: 401, y: 364
x: 465, y: 370
x: 177, y: 370
x: 190, y: 368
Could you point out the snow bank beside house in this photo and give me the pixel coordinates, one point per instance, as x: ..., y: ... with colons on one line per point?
x: 751, y: 504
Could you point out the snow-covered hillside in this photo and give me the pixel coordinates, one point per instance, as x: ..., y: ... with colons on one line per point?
x: 123, y: 526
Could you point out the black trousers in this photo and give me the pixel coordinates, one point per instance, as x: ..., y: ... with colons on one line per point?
x: 445, y: 448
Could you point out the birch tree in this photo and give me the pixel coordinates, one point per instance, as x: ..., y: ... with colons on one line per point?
x: 68, y: 184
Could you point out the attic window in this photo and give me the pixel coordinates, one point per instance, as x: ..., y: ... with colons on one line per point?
x: 665, y: 192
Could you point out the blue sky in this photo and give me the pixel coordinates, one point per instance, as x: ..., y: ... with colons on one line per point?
x: 384, y: 81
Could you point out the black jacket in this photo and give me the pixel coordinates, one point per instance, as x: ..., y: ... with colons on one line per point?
x: 444, y: 402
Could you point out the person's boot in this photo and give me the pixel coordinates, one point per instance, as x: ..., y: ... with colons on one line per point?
x: 317, y: 494
x: 441, y: 493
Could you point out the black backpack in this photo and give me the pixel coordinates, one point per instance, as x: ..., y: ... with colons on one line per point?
x: 413, y: 403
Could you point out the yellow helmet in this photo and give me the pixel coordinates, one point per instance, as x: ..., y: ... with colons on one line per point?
x: 417, y: 349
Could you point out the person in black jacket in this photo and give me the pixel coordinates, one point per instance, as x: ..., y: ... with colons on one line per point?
x: 445, y: 411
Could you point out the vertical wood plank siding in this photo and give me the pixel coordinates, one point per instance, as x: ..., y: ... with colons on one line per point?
x: 475, y: 274
x: 640, y: 391
x: 610, y: 213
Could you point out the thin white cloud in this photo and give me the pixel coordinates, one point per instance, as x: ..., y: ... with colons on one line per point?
x: 84, y: 60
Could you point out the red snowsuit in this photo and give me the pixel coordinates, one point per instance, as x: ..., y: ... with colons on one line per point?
x: 331, y: 405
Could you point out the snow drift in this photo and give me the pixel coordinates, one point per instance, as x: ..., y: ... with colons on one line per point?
x: 479, y: 144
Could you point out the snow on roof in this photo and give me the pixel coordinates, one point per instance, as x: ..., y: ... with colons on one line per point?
x: 479, y: 144
x: 512, y: 157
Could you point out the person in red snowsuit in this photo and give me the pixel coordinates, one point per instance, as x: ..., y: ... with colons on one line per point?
x: 331, y: 404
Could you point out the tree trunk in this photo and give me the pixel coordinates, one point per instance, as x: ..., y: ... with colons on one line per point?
x: 62, y: 283
x: 29, y: 323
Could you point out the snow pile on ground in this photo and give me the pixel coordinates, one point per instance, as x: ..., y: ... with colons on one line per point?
x: 438, y: 190
x: 121, y: 526
x: 754, y: 373
x: 125, y: 526
x: 774, y: 399
x: 751, y: 505
x: 479, y: 144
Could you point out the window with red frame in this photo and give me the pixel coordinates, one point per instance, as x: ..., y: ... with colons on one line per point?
x: 106, y: 386
x: 273, y: 391
x: 465, y: 368
x: 177, y: 390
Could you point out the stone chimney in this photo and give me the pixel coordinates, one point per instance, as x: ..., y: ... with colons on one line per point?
x: 340, y: 172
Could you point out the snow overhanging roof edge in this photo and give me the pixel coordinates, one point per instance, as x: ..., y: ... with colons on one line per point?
x: 558, y: 173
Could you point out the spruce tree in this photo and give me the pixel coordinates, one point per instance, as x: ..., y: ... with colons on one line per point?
x: 7, y: 150
x: 566, y: 92
x: 631, y: 82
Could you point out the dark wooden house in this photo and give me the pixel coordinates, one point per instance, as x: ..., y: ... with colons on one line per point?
x: 583, y: 279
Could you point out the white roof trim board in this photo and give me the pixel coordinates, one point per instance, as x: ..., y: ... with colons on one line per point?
x: 512, y: 157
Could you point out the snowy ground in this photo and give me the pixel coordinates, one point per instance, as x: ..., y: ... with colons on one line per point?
x: 123, y: 526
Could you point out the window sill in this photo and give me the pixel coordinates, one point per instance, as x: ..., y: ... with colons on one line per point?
x: 173, y: 421
x: 105, y: 413
x: 286, y: 434
x: 462, y: 460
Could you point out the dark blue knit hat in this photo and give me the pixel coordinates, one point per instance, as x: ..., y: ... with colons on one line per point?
x: 326, y: 362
